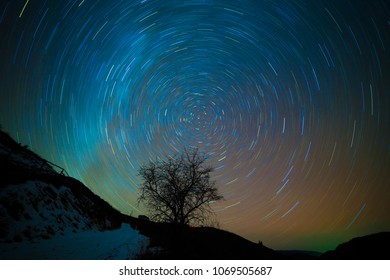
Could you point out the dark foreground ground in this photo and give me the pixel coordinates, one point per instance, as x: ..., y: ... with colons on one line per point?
x: 173, y: 242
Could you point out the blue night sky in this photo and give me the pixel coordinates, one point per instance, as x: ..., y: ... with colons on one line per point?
x: 289, y: 99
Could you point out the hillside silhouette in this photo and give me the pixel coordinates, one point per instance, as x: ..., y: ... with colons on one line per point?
x: 204, y: 243
x: 371, y: 247
x: 48, y: 215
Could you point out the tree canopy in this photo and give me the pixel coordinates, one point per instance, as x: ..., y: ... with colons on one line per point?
x: 178, y: 189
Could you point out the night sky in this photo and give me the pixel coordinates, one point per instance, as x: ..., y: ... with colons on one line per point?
x: 289, y: 99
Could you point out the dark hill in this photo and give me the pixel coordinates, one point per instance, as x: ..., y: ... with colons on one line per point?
x: 45, y: 214
x: 183, y: 242
x: 20, y: 167
x: 371, y: 247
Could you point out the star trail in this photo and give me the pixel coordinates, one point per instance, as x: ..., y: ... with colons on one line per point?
x: 290, y: 100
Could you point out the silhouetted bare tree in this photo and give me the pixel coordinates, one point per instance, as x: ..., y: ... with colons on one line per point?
x: 178, y: 189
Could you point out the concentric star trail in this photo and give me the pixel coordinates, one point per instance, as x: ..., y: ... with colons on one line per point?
x: 289, y: 99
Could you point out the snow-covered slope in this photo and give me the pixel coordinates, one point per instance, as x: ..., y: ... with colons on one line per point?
x: 47, y: 215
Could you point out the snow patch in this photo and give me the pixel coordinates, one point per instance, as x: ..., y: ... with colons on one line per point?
x: 122, y: 243
x: 36, y: 210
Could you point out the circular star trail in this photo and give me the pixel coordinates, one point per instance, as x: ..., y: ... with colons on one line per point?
x: 290, y: 101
